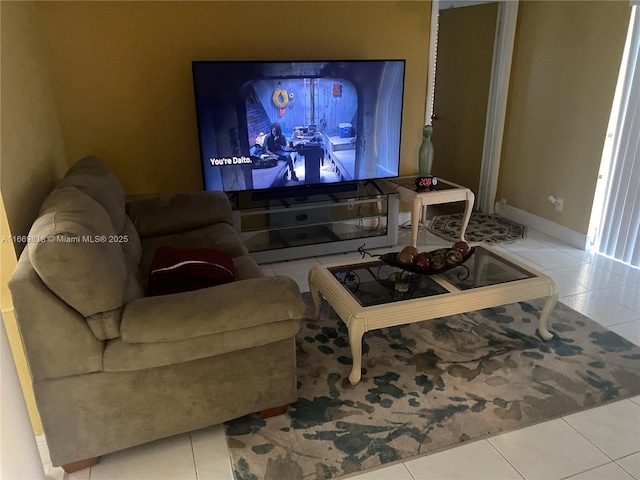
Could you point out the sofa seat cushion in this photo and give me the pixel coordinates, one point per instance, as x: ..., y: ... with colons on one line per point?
x: 220, y: 236
x: 121, y: 356
x: 175, y: 270
x: 208, y: 311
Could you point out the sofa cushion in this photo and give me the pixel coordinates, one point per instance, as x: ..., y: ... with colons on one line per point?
x: 93, y: 177
x: 131, y: 242
x: 232, y: 306
x: 121, y: 356
x: 179, y: 213
x: 78, y: 262
x: 175, y: 270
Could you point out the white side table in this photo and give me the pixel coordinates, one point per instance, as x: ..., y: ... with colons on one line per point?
x: 446, y: 192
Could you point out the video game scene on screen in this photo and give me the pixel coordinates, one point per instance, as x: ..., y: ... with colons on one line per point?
x: 276, y: 124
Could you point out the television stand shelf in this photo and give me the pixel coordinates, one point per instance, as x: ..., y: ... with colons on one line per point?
x: 297, y: 226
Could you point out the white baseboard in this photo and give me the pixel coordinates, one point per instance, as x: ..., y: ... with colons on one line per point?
x: 50, y: 472
x: 573, y: 238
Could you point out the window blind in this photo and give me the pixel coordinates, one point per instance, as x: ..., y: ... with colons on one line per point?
x: 619, y: 232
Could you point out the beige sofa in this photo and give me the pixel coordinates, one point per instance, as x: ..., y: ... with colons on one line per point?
x: 112, y: 368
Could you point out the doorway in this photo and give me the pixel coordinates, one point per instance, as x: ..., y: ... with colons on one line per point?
x: 499, y: 35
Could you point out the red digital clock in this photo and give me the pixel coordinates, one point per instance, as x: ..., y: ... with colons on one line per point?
x: 426, y: 184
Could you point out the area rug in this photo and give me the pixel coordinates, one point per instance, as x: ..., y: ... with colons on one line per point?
x: 491, y: 229
x: 430, y: 386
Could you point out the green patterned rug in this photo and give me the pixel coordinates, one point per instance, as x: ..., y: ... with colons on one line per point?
x: 430, y: 386
x: 490, y: 229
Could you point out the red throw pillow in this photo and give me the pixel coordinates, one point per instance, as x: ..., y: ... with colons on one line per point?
x: 175, y: 270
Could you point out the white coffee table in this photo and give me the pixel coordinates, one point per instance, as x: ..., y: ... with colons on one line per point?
x: 365, y: 293
x: 445, y: 192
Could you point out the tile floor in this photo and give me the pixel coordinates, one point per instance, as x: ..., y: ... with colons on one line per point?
x: 598, y: 444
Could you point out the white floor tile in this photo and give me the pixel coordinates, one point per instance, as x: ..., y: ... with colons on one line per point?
x: 339, y: 257
x: 600, y: 308
x: 628, y: 330
x: 211, y: 454
x: 294, y: 266
x: 610, y: 471
x: 550, y: 258
x: 478, y: 460
x: 267, y: 270
x: 296, y: 269
x: 394, y: 472
x: 550, y: 450
x: 383, y: 250
x: 613, y: 428
x: 546, y: 239
x: 627, y: 295
x: 635, y: 399
x: 591, y: 277
x: 426, y: 240
x: 303, y: 283
x: 57, y: 473
x: 584, y: 255
x: 167, y: 459
x: 516, y: 255
x: 631, y: 464
x: 566, y: 287
x: 630, y: 273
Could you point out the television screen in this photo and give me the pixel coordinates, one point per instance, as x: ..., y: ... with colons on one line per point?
x: 265, y: 125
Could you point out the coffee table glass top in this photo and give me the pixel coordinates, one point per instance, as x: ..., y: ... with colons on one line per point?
x: 485, y: 269
x: 375, y: 282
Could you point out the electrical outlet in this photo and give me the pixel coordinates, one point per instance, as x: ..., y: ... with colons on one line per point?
x: 350, y: 203
x: 559, y: 203
x: 503, y: 201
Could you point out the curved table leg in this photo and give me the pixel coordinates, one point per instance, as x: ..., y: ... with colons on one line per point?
x: 356, y: 331
x: 416, y: 209
x: 316, y: 300
x: 467, y: 213
x: 544, y: 316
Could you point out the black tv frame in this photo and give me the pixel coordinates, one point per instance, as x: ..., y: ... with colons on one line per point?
x: 315, y: 188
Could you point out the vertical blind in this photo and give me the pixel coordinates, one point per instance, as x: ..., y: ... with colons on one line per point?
x: 619, y: 236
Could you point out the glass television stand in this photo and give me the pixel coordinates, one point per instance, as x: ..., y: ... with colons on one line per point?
x: 296, y: 225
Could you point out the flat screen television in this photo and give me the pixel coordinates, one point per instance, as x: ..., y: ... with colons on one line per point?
x: 266, y: 125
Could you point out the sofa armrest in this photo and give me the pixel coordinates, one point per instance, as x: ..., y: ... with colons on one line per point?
x: 178, y: 213
x: 232, y: 306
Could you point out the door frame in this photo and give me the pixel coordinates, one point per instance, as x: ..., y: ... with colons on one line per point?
x: 498, y: 95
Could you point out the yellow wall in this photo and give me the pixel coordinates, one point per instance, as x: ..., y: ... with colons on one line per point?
x: 32, y: 151
x: 122, y: 70
x: 121, y: 76
x: 563, y: 79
